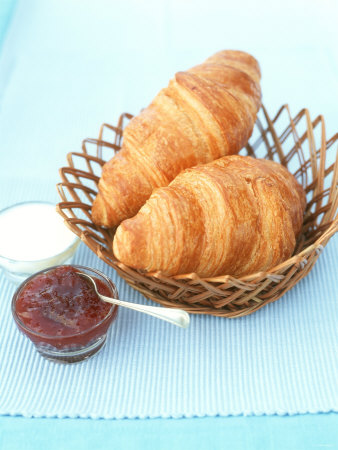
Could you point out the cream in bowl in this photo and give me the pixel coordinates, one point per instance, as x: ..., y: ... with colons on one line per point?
x: 33, y: 237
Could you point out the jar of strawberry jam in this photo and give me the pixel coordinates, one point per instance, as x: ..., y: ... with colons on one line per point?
x: 59, y: 311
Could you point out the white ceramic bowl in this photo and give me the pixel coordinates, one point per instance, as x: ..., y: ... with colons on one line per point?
x: 33, y: 237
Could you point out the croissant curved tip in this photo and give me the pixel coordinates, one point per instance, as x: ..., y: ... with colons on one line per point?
x: 130, y: 243
x: 98, y: 211
x: 102, y: 215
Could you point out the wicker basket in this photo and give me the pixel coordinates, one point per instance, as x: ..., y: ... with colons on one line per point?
x: 298, y: 143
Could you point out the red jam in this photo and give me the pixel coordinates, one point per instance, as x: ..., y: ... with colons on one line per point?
x: 59, y: 303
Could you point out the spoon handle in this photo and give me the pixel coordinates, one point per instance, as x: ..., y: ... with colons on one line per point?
x: 175, y: 316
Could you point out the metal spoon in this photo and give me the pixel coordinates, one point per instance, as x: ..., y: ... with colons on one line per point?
x: 175, y: 316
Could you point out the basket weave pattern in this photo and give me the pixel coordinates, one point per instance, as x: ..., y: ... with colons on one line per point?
x: 298, y: 143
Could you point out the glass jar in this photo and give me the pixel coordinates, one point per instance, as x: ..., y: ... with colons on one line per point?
x: 75, y: 346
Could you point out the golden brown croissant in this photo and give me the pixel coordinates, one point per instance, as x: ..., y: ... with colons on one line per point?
x: 236, y: 215
x: 206, y: 112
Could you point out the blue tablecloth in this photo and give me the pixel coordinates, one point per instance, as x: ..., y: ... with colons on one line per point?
x: 54, y: 90
x: 301, y: 432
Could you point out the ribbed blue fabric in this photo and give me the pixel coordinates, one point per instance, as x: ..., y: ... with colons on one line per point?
x: 280, y: 360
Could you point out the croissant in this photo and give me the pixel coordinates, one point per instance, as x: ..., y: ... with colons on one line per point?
x: 236, y: 215
x: 206, y: 112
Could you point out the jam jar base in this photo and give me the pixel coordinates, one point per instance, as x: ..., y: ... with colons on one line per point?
x: 71, y: 356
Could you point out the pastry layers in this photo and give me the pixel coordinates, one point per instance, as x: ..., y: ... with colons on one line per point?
x: 236, y: 215
x: 205, y: 113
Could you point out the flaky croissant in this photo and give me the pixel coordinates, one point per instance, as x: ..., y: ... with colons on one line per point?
x: 236, y: 215
x: 206, y: 112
